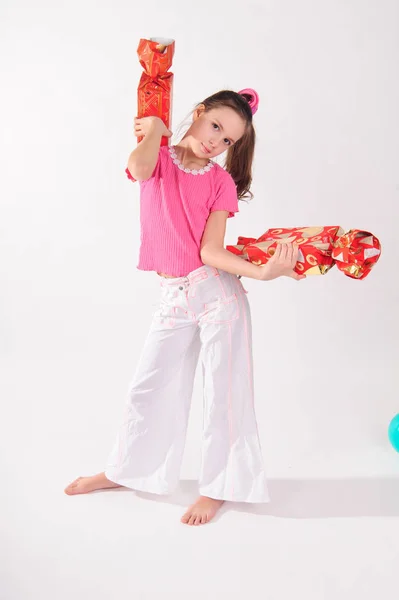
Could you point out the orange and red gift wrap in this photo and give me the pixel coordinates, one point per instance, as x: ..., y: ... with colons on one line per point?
x: 154, y: 92
x: 320, y: 248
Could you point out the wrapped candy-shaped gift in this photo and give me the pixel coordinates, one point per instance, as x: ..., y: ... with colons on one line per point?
x: 320, y: 248
x: 154, y: 92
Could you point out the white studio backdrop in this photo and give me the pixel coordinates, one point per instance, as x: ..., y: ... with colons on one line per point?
x: 74, y: 309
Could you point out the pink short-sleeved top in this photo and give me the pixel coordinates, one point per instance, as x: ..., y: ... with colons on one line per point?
x: 175, y: 204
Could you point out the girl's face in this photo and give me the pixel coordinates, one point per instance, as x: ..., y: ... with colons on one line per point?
x: 213, y: 132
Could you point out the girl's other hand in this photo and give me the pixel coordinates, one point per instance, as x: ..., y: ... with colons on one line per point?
x: 282, y: 263
x: 146, y: 125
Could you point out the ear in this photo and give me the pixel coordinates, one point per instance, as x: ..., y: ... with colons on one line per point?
x: 198, y: 111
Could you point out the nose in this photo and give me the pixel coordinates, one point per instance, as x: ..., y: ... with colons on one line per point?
x: 217, y: 139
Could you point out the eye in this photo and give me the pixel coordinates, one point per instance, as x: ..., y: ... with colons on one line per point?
x: 226, y: 141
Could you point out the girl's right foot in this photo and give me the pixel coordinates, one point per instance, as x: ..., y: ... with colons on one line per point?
x: 83, y: 485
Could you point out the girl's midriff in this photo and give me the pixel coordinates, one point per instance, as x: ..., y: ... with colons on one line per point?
x: 168, y: 276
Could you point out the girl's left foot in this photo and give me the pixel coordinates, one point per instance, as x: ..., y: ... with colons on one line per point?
x: 202, y: 511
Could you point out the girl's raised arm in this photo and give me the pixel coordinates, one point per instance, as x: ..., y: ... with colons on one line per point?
x: 143, y: 159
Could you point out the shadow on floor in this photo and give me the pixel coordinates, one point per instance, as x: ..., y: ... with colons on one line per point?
x: 309, y: 498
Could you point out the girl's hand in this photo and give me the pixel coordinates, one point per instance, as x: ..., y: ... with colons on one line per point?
x: 146, y: 125
x: 281, y: 263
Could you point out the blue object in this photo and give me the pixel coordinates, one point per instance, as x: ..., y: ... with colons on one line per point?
x: 393, y: 432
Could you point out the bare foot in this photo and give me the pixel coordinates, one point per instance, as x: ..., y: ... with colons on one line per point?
x: 82, y: 485
x: 202, y: 511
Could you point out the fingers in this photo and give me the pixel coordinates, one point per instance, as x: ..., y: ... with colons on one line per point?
x: 138, y: 122
x: 277, y: 253
x: 291, y: 253
x: 138, y: 129
x: 142, y: 126
x: 284, y: 251
x: 294, y: 254
x: 285, y: 258
x: 292, y: 258
x: 297, y: 277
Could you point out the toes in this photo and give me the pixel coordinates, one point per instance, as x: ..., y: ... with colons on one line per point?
x: 194, y: 518
x: 202, y: 520
x: 185, y: 517
x: 72, y: 485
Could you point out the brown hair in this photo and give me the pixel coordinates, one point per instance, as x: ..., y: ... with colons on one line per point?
x: 240, y: 155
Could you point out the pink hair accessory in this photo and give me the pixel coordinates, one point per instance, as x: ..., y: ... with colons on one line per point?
x: 253, y: 101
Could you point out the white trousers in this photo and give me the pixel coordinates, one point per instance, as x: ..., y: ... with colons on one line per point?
x: 205, y: 314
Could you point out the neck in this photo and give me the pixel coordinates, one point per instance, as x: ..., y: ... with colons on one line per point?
x: 187, y: 157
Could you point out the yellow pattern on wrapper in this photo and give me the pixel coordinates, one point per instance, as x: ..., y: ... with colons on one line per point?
x: 318, y: 270
x: 353, y: 270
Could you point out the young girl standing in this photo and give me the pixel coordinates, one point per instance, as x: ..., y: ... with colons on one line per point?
x: 185, y: 201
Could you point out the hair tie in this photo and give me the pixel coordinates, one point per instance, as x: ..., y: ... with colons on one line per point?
x: 253, y: 100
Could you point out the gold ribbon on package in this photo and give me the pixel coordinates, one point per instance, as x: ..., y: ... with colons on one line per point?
x: 320, y: 248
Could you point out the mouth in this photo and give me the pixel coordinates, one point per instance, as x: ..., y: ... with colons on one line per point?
x: 205, y: 149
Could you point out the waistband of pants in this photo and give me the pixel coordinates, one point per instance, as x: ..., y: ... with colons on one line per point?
x: 195, y: 276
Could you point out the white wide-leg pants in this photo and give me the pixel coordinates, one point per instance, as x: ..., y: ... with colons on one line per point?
x: 207, y: 315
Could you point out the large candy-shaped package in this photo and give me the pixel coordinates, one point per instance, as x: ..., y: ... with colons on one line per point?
x: 154, y: 92
x: 320, y: 248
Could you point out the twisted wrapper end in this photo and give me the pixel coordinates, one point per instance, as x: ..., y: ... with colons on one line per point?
x: 356, y: 253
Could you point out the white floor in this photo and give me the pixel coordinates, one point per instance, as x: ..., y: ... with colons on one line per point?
x: 316, y: 540
x: 334, y: 537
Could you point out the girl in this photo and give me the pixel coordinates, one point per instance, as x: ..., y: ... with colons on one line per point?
x: 185, y: 201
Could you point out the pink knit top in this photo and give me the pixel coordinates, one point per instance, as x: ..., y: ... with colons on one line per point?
x: 175, y: 204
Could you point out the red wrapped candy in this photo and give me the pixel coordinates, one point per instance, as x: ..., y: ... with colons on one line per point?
x: 154, y: 92
x: 320, y: 248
